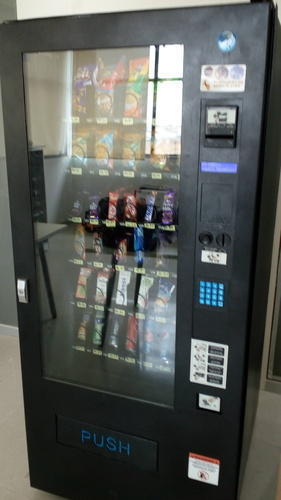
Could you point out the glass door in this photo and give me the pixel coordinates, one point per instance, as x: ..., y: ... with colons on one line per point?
x: 104, y: 130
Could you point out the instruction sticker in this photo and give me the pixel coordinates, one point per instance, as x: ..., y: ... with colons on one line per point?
x: 210, y: 403
x: 214, y: 257
x: 223, y: 78
x: 208, y: 363
x: 203, y: 469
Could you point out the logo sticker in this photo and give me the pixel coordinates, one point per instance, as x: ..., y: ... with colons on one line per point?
x: 227, y: 41
x: 223, y: 78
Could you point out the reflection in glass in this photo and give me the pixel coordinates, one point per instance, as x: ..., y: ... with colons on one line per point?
x: 109, y: 125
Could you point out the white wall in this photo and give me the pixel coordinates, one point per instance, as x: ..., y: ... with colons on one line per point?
x: 44, y: 8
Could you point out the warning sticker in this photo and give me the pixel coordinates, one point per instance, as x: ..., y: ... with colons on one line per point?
x: 204, y: 469
x: 208, y: 363
x: 223, y: 78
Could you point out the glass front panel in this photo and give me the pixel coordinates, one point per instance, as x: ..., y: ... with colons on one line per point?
x: 104, y: 131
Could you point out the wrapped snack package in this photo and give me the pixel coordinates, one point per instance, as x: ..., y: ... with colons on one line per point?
x: 138, y: 244
x: 145, y: 199
x: 94, y: 207
x: 168, y: 208
x: 112, y: 205
x: 130, y: 210
x: 114, y: 336
x: 81, y: 290
x: 104, y: 148
x: 150, y: 202
x: 145, y: 285
x: 79, y: 242
x: 108, y: 77
x: 85, y: 77
x: 120, y: 253
x: 165, y: 290
x: 123, y: 282
x: 137, y: 87
x: 98, y: 328
x: 132, y: 146
x: 132, y: 334
x: 97, y: 244
x: 101, y: 290
x: 81, y: 334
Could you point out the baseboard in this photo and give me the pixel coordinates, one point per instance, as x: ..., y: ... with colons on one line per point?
x: 8, y: 330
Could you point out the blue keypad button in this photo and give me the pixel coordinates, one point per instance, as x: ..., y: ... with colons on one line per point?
x: 211, y: 293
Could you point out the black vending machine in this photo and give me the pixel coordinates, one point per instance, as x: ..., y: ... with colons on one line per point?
x: 142, y: 292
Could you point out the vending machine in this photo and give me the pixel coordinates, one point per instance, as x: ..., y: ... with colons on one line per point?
x: 148, y: 141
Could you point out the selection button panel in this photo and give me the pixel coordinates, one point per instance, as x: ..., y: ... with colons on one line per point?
x: 211, y: 293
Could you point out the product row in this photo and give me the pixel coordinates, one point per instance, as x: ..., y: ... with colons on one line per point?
x: 124, y: 288
x: 108, y: 144
x: 138, y: 246
x: 104, y: 88
x: 127, y: 338
x: 142, y: 205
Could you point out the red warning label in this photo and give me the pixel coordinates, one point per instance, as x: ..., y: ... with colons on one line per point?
x: 204, y: 469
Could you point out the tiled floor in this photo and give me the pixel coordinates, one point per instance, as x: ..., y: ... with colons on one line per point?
x: 261, y: 474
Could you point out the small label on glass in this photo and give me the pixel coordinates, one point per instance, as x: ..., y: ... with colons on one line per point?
x: 140, y: 316
x: 75, y: 119
x: 130, y: 360
x: 139, y: 270
x: 156, y: 175
x: 76, y: 171
x: 128, y: 121
x: 95, y: 222
x: 82, y: 305
x: 147, y: 364
x: 102, y: 121
x: 128, y: 173
x: 130, y: 224
x: 160, y: 319
x: 79, y: 262
x: 110, y: 223
x: 119, y: 312
x: 76, y: 219
x: 167, y: 228
x: 103, y: 172
x: 97, y: 352
x: 149, y: 225
x: 162, y: 274
x: 111, y: 355
x: 97, y: 264
x: 98, y: 307
x: 119, y: 268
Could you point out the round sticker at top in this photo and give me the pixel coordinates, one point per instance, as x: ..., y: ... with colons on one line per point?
x: 227, y: 41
